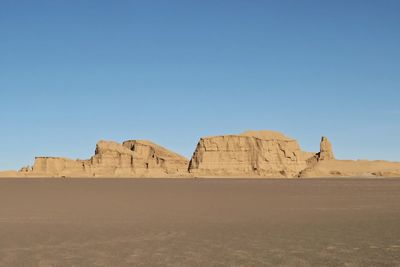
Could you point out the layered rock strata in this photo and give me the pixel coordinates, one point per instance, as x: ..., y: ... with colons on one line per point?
x: 152, y: 159
x: 250, y: 154
x: 134, y: 158
x: 58, y: 167
x: 261, y: 154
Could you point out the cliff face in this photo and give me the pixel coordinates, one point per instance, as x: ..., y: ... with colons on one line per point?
x: 261, y: 153
x: 152, y: 159
x: 111, y: 159
x: 53, y: 166
x: 250, y: 154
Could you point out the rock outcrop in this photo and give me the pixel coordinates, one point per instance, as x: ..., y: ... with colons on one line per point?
x: 133, y: 158
x: 326, y: 152
x: 111, y: 159
x: 324, y: 164
x: 58, y: 167
x: 152, y: 159
x: 250, y: 154
x: 253, y: 153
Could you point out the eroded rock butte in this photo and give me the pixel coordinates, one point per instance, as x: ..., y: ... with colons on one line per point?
x: 250, y: 154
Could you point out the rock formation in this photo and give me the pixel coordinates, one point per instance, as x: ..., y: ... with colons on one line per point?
x: 324, y: 164
x: 111, y: 159
x: 58, y: 167
x: 250, y: 154
x: 262, y: 153
x: 326, y: 152
x: 133, y: 158
x: 152, y: 159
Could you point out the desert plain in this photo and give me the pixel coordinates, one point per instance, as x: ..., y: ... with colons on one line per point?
x: 200, y: 222
x: 277, y: 205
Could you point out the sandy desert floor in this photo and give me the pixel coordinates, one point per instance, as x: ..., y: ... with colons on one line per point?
x: 199, y: 222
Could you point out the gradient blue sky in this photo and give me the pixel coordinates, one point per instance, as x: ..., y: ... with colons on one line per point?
x: 75, y: 72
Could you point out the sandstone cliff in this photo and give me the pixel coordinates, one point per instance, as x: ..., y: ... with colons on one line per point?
x: 58, y: 167
x: 131, y: 159
x: 111, y: 159
x: 250, y: 154
x: 152, y: 159
x: 255, y: 153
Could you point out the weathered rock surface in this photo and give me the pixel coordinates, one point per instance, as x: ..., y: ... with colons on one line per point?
x: 131, y: 159
x: 58, y: 167
x: 152, y: 159
x: 111, y: 159
x: 250, y: 154
x: 326, y: 152
x: 253, y: 153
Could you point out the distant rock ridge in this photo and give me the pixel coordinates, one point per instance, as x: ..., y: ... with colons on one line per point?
x: 260, y: 154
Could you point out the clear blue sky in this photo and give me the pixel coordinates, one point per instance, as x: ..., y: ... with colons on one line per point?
x: 75, y: 72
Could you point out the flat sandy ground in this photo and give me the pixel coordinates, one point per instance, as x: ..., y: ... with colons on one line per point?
x: 199, y: 222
